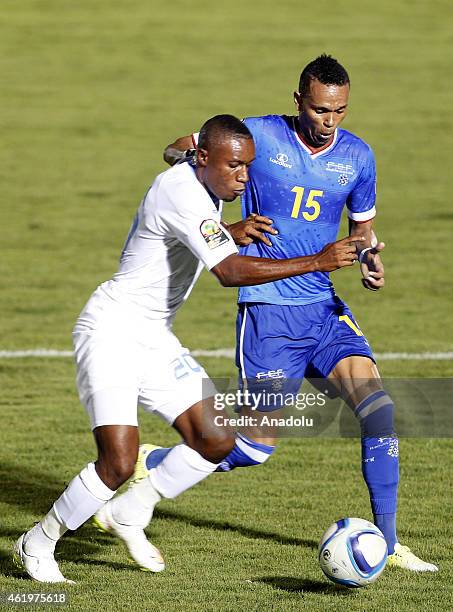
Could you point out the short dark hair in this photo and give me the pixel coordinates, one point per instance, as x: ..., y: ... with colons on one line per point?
x: 216, y: 128
x: 326, y: 70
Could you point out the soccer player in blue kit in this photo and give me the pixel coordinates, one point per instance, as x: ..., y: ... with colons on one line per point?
x: 306, y: 170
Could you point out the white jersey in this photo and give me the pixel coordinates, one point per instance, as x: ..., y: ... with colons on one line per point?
x: 175, y: 232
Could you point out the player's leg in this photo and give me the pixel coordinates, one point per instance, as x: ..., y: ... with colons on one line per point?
x: 179, y: 390
x: 186, y: 464
x: 182, y: 467
x: 247, y: 451
x: 345, y: 356
x: 205, y: 445
x: 107, y: 366
x: 361, y: 387
x: 83, y: 497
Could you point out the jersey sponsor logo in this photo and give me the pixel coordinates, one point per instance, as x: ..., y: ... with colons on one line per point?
x: 281, y: 159
x: 340, y: 168
x: 213, y: 233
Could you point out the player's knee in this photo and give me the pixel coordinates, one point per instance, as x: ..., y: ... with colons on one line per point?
x: 114, y: 471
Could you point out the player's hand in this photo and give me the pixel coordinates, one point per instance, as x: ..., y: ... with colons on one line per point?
x: 339, y: 254
x: 372, y: 268
x: 252, y: 228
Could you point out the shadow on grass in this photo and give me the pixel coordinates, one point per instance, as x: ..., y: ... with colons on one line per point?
x: 248, y: 532
x: 7, y: 567
x: 301, y: 585
x: 28, y: 489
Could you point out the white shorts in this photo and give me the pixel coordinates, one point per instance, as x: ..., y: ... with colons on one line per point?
x: 117, y: 371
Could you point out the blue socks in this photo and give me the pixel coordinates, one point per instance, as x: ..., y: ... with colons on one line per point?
x: 380, y: 468
x: 387, y: 524
x: 380, y: 463
x: 155, y: 457
x: 245, y: 452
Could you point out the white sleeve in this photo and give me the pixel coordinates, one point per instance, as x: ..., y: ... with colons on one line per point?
x: 191, y: 216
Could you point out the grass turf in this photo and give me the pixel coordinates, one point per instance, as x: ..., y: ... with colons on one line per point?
x: 90, y: 96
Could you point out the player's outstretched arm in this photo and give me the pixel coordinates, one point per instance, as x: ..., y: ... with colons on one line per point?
x: 240, y: 270
x: 176, y: 150
x: 371, y: 265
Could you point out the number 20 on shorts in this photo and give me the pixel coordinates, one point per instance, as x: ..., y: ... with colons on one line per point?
x: 185, y: 365
x: 313, y: 206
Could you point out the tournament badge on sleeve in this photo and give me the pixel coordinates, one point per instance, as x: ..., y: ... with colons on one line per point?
x: 213, y: 233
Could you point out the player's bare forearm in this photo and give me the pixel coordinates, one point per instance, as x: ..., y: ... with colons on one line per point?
x: 364, y: 229
x: 371, y: 265
x: 240, y: 270
x: 175, y: 151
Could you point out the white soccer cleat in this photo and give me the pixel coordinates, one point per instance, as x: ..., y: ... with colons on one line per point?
x: 42, y: 569
x: 147, y: 556
x: 404, y: 558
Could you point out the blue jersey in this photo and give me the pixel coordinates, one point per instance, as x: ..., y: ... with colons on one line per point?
x: 304, y: 194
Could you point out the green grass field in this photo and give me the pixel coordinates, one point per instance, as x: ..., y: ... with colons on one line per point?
x: 91, y: 93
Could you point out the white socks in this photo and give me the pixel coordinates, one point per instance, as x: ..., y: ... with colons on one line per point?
x: 136, y: 505
x: 83, y: 497
x: 85, y: 494
x: 36, y: 541
x: 180, y: 470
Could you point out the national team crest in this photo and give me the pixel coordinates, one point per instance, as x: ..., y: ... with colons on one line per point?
x: 343, y: 179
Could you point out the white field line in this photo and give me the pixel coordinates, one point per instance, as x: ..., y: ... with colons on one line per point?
x: 229, y: 353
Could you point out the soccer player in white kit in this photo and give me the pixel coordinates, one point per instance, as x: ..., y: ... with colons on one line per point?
x: 126, y: 353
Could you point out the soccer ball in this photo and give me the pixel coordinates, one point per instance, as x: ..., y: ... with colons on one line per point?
x: 352, y: 552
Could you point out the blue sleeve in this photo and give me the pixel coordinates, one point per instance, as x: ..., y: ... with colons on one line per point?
x: 255, y: 125
x: 361, y: 200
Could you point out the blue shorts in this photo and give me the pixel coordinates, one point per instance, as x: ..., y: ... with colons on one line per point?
x: 277, y: 346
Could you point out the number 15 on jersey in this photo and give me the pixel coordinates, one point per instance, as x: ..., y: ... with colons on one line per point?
x: 313, y: 206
